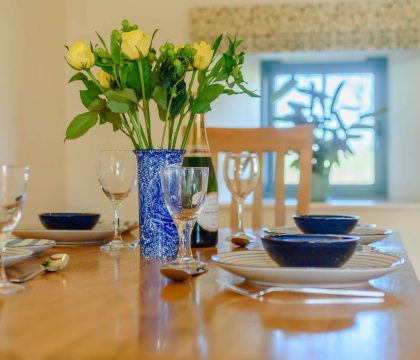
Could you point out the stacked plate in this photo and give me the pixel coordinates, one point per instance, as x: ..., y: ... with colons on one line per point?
x: 257, y: 267
x: 368, y: 235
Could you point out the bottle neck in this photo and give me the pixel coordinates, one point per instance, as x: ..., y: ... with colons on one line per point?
x: 197, y: 144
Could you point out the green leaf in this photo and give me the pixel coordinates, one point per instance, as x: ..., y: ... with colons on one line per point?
x: 228, y: 63
x: 97, y: 105
x: 88, y: 96
x: 216, y: 44
x: 110, y: 117
x: 81, y: 124
x: 123, y: 95
x: 284, y: 90
x: 180, y: 99
x: 200, y: 107
x: 78, y: 77
x: 118, y: 107
x: 145, y: 65
x: 115, y: 50
x: 102, y: 41
x: 210, y: 93
x: 160, y: 96
x: 133, y: 78
x: 248, y: 92
x: 231, y: 92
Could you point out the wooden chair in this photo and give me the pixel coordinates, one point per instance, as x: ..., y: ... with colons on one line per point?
x: 279, y: 141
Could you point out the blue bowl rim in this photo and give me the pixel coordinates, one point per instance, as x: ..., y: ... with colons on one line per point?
x: 312, y: 238
x: 327, y: 217
x: 57, y: 215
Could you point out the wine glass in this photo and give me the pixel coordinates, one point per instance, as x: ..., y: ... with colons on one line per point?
x: 117, y: 177
x: 241, y: 172
x: 184, y: 190
x: 13, y: 184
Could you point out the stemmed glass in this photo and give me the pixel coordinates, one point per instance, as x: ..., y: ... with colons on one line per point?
x: 184, y: 190
x: 117, y: 177
x: 13, y: 184
x: 241, y: 172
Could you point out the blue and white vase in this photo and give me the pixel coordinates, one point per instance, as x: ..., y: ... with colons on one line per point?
x: 158, y: 234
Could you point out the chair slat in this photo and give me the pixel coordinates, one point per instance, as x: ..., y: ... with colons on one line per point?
x: 258, y: 196
x: 280, y: 190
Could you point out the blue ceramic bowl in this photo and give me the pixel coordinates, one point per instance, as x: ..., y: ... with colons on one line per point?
x: 69, y: 221
x: 326, y: 251
x: 326, y: 224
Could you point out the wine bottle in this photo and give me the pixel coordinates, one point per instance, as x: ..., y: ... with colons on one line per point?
x: 205, y: 231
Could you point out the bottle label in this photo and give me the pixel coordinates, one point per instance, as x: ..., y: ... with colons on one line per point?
x: 209, y: 216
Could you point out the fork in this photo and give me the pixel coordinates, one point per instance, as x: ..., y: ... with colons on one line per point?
x: 318, y: 291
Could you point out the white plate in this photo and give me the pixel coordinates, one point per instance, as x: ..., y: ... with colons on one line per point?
x: 13, y: 256
x: 98, y: 234
x: 367, y: 235
x: 257, y: 267
x: 35, y: 245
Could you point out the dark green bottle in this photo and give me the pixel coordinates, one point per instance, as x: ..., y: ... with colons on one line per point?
x: 205, y: 231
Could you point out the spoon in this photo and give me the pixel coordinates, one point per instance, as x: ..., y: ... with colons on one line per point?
x: 52, y: 263
x: 177, y: 274
x: 241, y: 241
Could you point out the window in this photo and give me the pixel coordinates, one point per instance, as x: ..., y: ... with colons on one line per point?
x: 350, y: 100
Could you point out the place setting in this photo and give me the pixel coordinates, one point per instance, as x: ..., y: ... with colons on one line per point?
x: 269, y: 226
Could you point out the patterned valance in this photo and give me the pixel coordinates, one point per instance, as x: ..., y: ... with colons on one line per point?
x: 347, y: 25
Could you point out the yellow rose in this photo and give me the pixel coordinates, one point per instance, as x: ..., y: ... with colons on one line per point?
x: 79, y: 56
x: 104, y: 78
x: 203, y: 56
x: 134, y: 43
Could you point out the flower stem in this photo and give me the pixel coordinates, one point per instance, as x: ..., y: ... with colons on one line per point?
x: 183, y: 112
x: 145, y: 106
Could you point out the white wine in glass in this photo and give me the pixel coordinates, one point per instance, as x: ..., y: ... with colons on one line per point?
x: 117, y: 173
x: 13, y: 185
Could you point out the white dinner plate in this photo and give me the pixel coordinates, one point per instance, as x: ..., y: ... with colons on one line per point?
x: 13, y: 256
x: 367, y: 235
x: 98, y: 234
x: 257, y: 267
x: 35, y: 245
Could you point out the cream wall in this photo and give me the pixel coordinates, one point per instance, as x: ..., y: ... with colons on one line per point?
x: 32, y: 106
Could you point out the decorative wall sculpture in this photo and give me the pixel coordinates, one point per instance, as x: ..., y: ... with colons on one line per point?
x: 347, y: 25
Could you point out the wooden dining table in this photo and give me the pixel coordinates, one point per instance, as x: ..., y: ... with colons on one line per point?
x: 119, y: 306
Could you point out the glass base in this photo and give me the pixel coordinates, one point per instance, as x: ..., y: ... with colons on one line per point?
x: 244, y: 235
x: 189, y: 265
x: 116, y: 245
x: 6, y: 287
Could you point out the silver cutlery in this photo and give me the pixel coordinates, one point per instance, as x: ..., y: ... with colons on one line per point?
x: 52, y: 263
x: 308, y: 290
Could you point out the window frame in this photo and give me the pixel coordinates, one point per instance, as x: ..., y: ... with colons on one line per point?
x: 376, y: 66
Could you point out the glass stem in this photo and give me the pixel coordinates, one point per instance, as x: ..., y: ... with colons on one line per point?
x: 117, y: 236
x: 240, y: 202
x: 184, y: 233
x: 3, y: 277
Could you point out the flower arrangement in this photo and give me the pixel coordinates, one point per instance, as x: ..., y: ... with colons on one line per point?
x: 182, y: 81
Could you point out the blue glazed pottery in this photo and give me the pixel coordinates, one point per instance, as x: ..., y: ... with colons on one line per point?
x: 310, y: 250
x: 326, y: 224
x: 69, y: 221
x: 158, y: 233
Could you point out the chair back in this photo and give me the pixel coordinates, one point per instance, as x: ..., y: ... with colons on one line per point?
x: 278, y: 141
